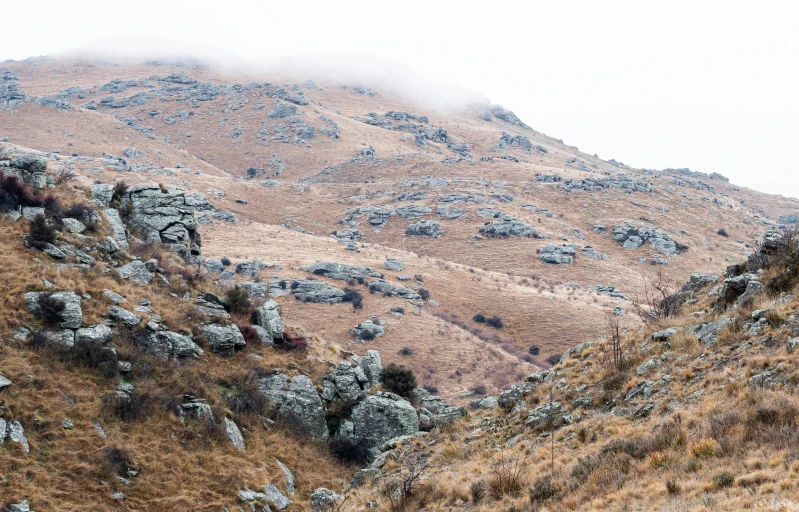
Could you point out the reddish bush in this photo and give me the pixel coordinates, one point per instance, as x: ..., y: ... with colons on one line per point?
x: 249, y: 333
x: 291, y: 342
x: 15, y: 193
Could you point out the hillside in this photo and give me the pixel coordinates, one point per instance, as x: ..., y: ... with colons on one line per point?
x: 461, y: 243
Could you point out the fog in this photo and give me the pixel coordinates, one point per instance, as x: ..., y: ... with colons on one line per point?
x: 707, y: 85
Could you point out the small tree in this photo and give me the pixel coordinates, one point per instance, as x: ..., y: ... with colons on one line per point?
x: 51, y: 309
x: 495, y: 322
x: 399, y: 379
x: 615, y: 351
x: 40, y: 232
x: 237, y: 300
x: 659, y: 300
x: 354, y: 297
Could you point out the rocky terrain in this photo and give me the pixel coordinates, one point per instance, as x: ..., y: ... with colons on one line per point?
x: 219, y: 288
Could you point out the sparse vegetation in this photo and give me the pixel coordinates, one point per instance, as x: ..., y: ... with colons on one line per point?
x: 479, y: 318
x: 237, y: 300
x: 399, y: 379
x: 354, y: 297
x: 41, y: 232
x: 495, y: 322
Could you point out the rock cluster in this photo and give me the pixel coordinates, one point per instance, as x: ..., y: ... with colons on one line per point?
x: 632, y: 237
x: 507, y: 227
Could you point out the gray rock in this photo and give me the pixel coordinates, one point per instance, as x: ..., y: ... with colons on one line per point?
x: 268, y: 317
x: 489, y: 402
x: 309, y: 290
x: 16, y: 434
x: 103, y: 193
x: 30, y: 212
x: 323, y: 498
x: 276, y: 498
x: 73, y: 225
x: 510, y: 396
x: 543, y: 415
x: 295, y: 402
x: 234, y: 434
x: 507, y: 227
x: 290, y: 481
x: 394, y: 264
x: 372, y: 367
x: 72, y: 315
x: 113, y: 296
x: 664, y: 335
x: 427, y: 228
x: 67, y: 424
x: 367, y: 330
x: 697, y: 281
x: 557, y: 254
x: 118, y: 230
x: 4, y: 383
x: 708, y: 333
x: 342, y: 272
x: 137, y: 272
x: 382, y: 417
x: 792, y: 345
x: 96, y: 335
x: 166, y: 344
x: 413, y: 211
x: 223, y: 339
x: 123, y: 315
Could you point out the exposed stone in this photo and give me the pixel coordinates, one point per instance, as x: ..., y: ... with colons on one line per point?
x: 276, y: 498
x: 557, y: 254
x: 136, y: 271
x: 123, y: 315
x: 342, y: 272
x: 323, y: 498
x: 72, y: 315
x: 367, y: 330
x: 268, y: 317
x: 223, y: 339
x: 427, y: 228
x: 507, y: 227
x: 310, y: 290
x: 382, y: 417
x: 234, y: 434
x: 394, y: 264
x: 295, y: 402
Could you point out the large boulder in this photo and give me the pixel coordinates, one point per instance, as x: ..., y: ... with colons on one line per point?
x: 118, y: 230
x: 165, y: 215
x: 311, y: 290
x: 507, y: 227
x: 72, y: 316
x: 342, y: 272
x: 223, y: 339
x: 382, y: 417
x: 557, y: 254
x: 429, y: 228
x: 96, y: 335
x: 166, y: 344
x: 296, y: 402
x: 136, y: 271
x: 708, y: 334
x: 268, y: 317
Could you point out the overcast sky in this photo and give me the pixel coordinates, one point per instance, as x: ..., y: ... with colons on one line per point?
x: 710, y: 85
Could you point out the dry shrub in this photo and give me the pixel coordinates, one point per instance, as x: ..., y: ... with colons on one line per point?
x: 478, y: 491
x: 672, y: 487
x: 705, y: 448
x: 292, y: 343
x: 115, y: 461
x: 670, y: 435
x: 507, y: 477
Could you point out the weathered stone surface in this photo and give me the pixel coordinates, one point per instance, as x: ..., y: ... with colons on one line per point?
x: 96, y: 335
x: 118, y: 230
x: 310, y: 290
x: 114, y: 296
x: 427, y: 228
x: 166, y: 344
x: 507, y: 227
x: 276, y: 498
x: 234, y: 434
x: 557, y: 254
x: 223, y: 339
x: 4, y: 383
x: 394, y: 264
x: 367, y: 330
x: 323, y: 498
x: 708, y: 333
x: 123, y: 315
x: 508, y: 397
x: 544, y: 415
x: 372, y: 367
x: 165, y: 215
x: 382, y: 417
x: 632, y: 237
x: 72, y: 315
x: 268, y: 317
x: 136, y: 271
x: 364, y: 477
x: 342, y: 272
x: 73, y: 225
x: 295, y: 402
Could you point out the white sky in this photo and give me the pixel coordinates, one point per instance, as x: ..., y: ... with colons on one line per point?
x: 710, y: 85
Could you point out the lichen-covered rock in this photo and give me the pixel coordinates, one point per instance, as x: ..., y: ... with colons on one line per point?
x: 323, y: 498
x: 296, y: 402
x: 223, y: 339
x: 268, y: 317
x: 382, y: 417
x: 557, y: 254
x: 394, y: 264
x: 72, y: 316
x: 123, y: 315
x: 367, y: 330
x: 166, y: 344
x: 507, y: 227
x: 310, y: 290
x: 708, y: 334
x: 234, y: 434
x: 165, y: 215
x: 342, y: 272
x: 136, y: 271
x: 545, y: 414
x: 118, y: 230
x: 96, y: 335
x: 429, y: 228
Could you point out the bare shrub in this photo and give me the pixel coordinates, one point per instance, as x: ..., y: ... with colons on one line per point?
x: 506, y: 479
x: 659, y: 300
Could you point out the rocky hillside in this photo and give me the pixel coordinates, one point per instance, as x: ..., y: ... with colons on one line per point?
x: 229, y: 290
